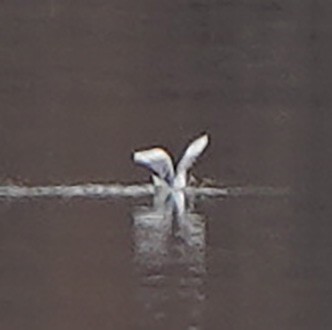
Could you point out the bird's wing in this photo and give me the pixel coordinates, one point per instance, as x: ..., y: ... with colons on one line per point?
x: 193, y: 151
x: 157, y: 161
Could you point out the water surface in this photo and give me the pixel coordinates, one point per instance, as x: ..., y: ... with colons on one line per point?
x: 83, y: 85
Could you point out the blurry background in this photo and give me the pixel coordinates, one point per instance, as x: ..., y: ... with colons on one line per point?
x: 84, y: 83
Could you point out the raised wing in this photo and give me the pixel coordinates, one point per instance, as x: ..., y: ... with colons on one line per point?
x: 193, y: 151
x: 158, y: 162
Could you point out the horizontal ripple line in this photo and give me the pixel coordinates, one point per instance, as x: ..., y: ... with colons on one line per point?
x: 96, y: 190
x: 135, y: 190
x: 84, y: 190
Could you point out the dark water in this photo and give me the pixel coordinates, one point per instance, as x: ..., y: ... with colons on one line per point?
x: 83, y: 84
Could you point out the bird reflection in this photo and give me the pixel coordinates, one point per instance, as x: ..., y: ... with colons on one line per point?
x: 169, y: 224
x: 169, y: 247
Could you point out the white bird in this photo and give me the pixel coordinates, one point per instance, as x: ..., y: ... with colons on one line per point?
x: 161, y: 165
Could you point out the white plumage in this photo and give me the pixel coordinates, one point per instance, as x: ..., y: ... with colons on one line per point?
x: 161, y: 165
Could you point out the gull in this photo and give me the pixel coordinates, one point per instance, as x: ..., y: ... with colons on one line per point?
x: 164, y: 172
